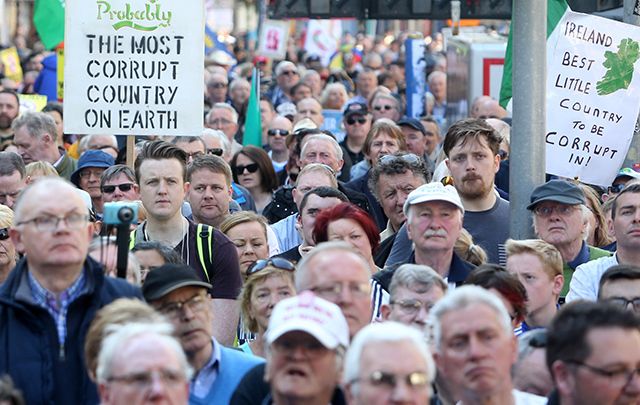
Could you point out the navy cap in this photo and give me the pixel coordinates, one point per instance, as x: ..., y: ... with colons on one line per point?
x: 561, y: 191
x: 168, y: 278
x: 355, y: 108
x: 91, y: 158
x: 413, y: 123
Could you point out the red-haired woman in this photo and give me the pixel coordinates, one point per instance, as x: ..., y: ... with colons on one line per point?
x: 347, y: 222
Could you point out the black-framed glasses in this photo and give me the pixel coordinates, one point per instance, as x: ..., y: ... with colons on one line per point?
x: 621, y: 377
x: 251, y: 168
x: 4, y: 233
x: 215, y: 151
x: 547, y: 211
x: 175, y: 309
x: 277, y: 262
x: 620, y: 302
x: 411, y: 306
x: 124, y: 187
x: 359, y: 120
x: 382, y: 107
x: 408, y: 157
x: 385, y: 380
x: 276, y: 131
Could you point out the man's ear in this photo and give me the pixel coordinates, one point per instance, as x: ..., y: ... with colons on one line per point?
x: 16, y: 238
x: 385, y: 311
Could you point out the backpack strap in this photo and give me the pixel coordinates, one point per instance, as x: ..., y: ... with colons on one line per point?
x: 204, y: 244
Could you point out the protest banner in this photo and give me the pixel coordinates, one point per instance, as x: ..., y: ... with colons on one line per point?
x: 333, y: 122
x: 274, y: 36
x: 32, y: 102
x: 11, y: 61
x: 592, y: 97
x: 323, y: 37
x: 415, y: 73
x: 134, y: 67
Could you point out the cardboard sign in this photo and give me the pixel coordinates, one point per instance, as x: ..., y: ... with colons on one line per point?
x: 274, y: 36
x: 11, y: 61
x: 323, y: 37
x: 593, y: 99
x: 134, y: 67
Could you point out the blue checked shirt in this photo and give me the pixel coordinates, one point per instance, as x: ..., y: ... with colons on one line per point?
x: 57, y: 307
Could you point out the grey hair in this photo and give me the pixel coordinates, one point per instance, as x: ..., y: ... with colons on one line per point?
x: 237, y: 82
x: 118, y: 336
x: 304, y: 266
x: 331, y: 86
x: 463, y: 297
x: 524, y: 343
x: 216, y: 133
x: 37, y: 124
x: 319, y: 168
x: 415, y: 277
x: 224, y: 106
x: 387, y: 332
x: 323, y: 137
x: 112, y: 138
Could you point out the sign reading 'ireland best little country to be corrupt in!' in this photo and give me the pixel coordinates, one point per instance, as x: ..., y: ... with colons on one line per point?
x: 593, y: 97
x: 134, y: 67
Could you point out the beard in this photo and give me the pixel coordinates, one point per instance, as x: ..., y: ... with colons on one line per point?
x: 472, y: 187
x: 5, y: 121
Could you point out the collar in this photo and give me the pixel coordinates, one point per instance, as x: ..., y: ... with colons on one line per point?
x: 59, y: 161
x: 582, y: 257
x: 43, y: 297
x: 214, y: 360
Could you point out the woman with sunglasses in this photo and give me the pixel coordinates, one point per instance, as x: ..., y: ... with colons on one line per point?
x: 346, y: 222
x: 253, y: 170
x: 7, y: 250
x: 268, y: 282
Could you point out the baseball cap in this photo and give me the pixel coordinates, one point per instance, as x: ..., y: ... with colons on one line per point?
x: 627, y: 172
x: 433, y: 192
x: 355, y: 108
x: 413, y: 123
x: 561, y: 191
x: 309, y: 313
x: 168, y: 278
x: 91, y: 158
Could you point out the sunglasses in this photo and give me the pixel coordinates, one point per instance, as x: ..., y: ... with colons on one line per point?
x: 278, y: 263
x: 289, y: 73
x: 382, y: 107
x: 122, y: 187
x: 616, y: 188
x: 274, y: 132
x: 215, y: 151
x: 360, y: 120
x: 252, y: 168
x: 409, y: 158
x: 4, y: 233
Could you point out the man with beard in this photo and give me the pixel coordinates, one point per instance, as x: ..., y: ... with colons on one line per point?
x: 175, y: 291
x: 472, y: 146
x: 9, y: 110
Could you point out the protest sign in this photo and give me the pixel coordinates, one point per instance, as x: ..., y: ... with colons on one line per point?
x: 415, y: 73
x: 134, y: 67
x: 322, y: 39
x: 274, y: 36
x: 32, y: 102
x: 592, y: 97
x: 11, y: 61
x: 333, y: 122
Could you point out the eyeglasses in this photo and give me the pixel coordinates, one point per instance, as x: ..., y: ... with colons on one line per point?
x: 282, y: 264
x: 382, y: 107
x: 251, y: 168
x: 288, y: 73
x: 409, y: 158
x: 220, y: 121
x: 621, y: 302
x: 620, y: 378
x: 124, y: 187
x: 217, y: 85
x: 4, y: 233
x: 50, y: 223
x: 274, y: 132
x: 333, y: 293
x: 143, y: 380
x: 175, y: 309
x: 547, y: 211
x: 361, y: 120
x: 412, y: 307
x: 215, y: 151
x: 389, y: 381
x: 86, y: 173
x: 616, y: 188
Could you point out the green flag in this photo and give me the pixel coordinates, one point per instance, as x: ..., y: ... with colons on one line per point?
x: 252, y: 124
x: 556, y: 9
x: 48, y: 18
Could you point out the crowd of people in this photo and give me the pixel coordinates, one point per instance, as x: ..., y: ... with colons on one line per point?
x: 368, y: 262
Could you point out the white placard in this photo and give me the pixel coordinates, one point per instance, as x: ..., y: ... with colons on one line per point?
x: 134, y: 67
x: 593, y: 97
x: 323, y: 37
x: 274, y: 36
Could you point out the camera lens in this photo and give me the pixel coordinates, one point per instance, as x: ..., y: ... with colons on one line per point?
x: 125, y: 214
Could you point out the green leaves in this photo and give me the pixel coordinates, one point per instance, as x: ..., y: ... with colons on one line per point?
x: 620, y: 67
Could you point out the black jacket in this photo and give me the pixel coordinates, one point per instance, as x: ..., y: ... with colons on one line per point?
x: 29, y: 350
